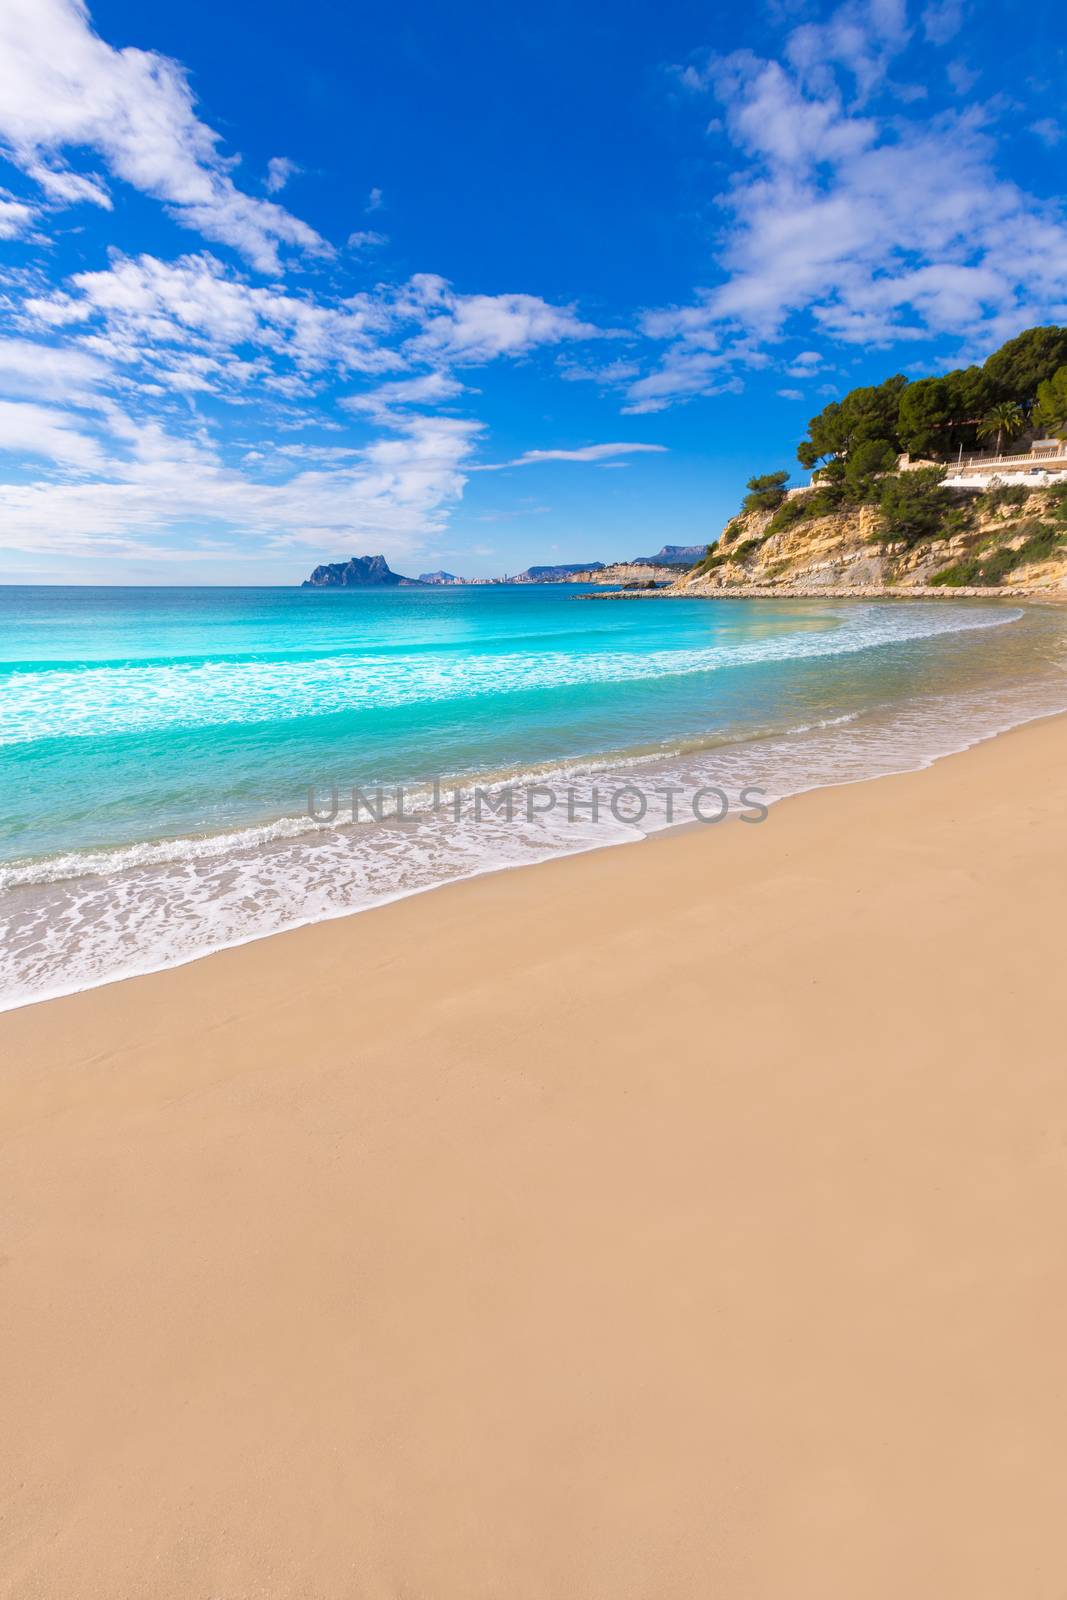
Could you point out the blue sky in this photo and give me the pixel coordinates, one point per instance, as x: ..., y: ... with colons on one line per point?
x: 478, y: 287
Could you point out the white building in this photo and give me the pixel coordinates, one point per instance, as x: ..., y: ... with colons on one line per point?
x: 1045, y: 462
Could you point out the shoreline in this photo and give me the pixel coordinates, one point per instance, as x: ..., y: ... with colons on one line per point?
x: 1055, y: 596
x: 634, y: 1225
x: 8, y: 1006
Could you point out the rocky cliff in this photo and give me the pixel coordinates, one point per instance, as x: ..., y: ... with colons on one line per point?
x: 641, y: 572
x: 1012, y: 540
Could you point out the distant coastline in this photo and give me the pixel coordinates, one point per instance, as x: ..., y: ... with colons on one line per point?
x: 374, y: 572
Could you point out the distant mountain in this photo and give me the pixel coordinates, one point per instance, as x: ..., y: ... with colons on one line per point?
x: 439, y: 578
x: 358, y: 572
x: 673, y: 555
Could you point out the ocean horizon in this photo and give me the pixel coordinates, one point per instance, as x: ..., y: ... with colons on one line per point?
x: 162, y: 750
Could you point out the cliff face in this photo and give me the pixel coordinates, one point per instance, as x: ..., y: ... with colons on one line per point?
x: 1021, y: 547
x: 645, y: 571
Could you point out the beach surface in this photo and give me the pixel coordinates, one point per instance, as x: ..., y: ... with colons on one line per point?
x: 677, y: 1220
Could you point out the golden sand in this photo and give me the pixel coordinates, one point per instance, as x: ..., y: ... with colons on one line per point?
x: 676, y: 1222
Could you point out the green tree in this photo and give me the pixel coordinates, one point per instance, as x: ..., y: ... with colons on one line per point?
x: 975, y: 393
x: 1050, y: 412
x: 926, y: 410
x: 938, y: 415
x: 865, y: 464
x: 913, y: 504
x: 765, y: 492
x: 827, y: 436
x: 873, y: 412
x: 1002, y: 421
x: 1019, y: 367
x: 864, y: 414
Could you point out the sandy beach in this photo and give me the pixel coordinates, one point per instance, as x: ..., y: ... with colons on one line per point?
x: 674, y: 1221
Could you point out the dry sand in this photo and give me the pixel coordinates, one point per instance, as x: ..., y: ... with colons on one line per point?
x: 684, y: 1220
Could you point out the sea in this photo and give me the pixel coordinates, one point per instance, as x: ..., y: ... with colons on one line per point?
x: 178, y: 765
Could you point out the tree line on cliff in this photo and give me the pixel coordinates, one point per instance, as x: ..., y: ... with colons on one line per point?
x: 1022, y: 383
x: 855, y: 444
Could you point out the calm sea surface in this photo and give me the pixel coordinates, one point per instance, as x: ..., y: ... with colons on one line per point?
x: 157, y: 745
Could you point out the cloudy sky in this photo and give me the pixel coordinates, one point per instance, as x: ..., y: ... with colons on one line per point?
x: 476, y: 288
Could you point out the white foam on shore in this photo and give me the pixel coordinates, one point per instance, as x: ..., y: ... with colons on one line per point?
x: 79, y: 921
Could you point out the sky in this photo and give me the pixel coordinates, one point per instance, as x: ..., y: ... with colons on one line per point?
x: 479, y: 286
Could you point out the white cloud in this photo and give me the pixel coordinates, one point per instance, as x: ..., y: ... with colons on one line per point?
x: 34, y: 430
x: 770, y: 116
x: 144, y: 334
x: 601, y: 453
x: 279, y: 170
x: 479, y: 327
x: 15, y: 216
x: 607, y: 375
x: 684, y: 371
x: 790, y: 394
x: 43, y: 372
x: 874, y: 228
x: 103, y: 409
x: 62, y: 88
x: 68, y: 188
x: 942, y: 20
x: 145, y: 303
x: 395, y: 492
x: 962, y: 77
x: 143, y: 308
x: 1048, y: 131
x: 432, y: 388
x: 862, y: 36
x: 305, y: 452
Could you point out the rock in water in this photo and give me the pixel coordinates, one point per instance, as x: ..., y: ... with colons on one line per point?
x: 359, y: 572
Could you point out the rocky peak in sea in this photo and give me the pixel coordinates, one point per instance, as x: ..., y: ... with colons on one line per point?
x: 358, y: 572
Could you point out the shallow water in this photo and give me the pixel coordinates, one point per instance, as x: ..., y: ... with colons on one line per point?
x: 157, y: 746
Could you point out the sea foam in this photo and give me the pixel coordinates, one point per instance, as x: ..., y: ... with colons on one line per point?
x: 82, y: 919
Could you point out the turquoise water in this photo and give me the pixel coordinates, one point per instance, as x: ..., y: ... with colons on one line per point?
x: 157, y: 746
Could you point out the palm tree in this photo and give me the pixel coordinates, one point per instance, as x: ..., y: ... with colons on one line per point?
x: 1002, y: 421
